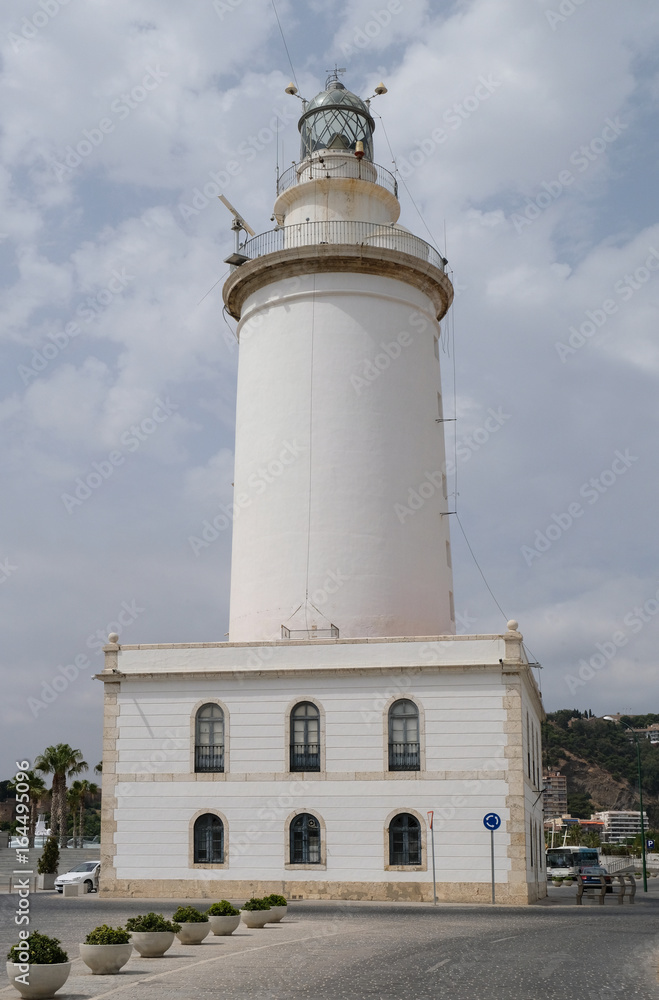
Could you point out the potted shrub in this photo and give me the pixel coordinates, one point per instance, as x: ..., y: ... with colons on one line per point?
x: 194, y: 925
x: 48, y: 864
x: 106, y: 950
x: 37, y: 967
x: 255, y: 912
x: 557, y: 880
x: 151, y: 935
x: 223, y: 917
x: 278, y: 907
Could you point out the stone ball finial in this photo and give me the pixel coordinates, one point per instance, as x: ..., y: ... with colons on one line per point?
x: 512, y: 625
x: 113, y: 637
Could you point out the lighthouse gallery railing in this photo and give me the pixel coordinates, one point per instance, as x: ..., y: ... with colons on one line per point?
x: 335, y: 233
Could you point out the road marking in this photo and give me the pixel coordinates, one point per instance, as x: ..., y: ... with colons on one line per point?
x: 497, y: 940
x: 205, y: 961
x: 433, y: 967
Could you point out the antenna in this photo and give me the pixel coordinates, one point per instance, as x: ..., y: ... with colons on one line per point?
x: 236, y: 258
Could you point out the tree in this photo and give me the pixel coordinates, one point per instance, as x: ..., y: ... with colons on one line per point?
x: 36, y: 791
x: 73, y: 800
x: 579, y: 805
x: 87, y: 788
x: 63, y: 762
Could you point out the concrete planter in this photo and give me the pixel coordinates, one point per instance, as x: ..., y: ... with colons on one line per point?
x: 152, y: 944
x: 105, y: 959
x: 276, y: 913
x: 221, y: 926
x: 46, y: 881
x: 193, y: 933
x: 255, y: 918
x: 44, y: 980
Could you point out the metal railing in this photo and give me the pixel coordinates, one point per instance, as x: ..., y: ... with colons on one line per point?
x: 208, y: 758
x: 305, y: 757
x: 319, y: 169
x: 338, y: 232
x: 404, y: 757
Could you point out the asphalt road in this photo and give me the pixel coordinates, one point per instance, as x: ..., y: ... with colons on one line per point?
x: 382, y: 951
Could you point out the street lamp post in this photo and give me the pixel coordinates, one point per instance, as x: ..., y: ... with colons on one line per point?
x: 640, y: 797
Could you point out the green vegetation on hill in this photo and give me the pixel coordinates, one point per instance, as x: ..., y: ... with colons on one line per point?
x: 607, y: 746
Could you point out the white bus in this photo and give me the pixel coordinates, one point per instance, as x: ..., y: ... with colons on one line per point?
x: 562, y: 861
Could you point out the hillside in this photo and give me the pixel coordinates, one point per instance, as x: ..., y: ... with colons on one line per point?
x: 599, y: 760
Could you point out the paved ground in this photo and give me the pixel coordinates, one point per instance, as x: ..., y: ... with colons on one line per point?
x: 378, y: 951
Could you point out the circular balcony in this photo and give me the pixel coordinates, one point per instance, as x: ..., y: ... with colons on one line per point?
x: 327, y: 168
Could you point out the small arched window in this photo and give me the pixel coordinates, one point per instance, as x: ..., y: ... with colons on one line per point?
x: 404, y: 840
x: 404, y: 747
x: 305, y: 737
x: 305, y: 840
x: 209, y: 738
x: 209, y: 840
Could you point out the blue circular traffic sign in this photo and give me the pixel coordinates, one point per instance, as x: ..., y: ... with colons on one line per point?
x: 491, y: 821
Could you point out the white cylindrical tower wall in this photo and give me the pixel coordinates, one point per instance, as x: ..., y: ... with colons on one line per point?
x: 339, y: 481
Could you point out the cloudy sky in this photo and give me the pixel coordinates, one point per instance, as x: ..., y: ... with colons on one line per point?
x: 526, y: 130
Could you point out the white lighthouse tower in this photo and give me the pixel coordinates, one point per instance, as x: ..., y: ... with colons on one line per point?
x: 344, y: 729
x: 339, y: 414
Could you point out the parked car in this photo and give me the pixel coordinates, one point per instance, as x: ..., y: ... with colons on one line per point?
x: 87, y: 873
x: 590, y: 876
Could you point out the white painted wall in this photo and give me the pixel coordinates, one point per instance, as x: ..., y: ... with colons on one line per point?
x: 322, y: 460
x: 463, y: 721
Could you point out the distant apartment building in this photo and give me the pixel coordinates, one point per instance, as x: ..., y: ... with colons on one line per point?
x: 619, y: 825
x: 555, y: 795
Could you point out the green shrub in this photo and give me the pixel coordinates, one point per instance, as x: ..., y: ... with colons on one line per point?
x: 107, y: 935
x: 42, y: 951
x: 150, y: 922
x: 222, y: 909
x: 189, y: 915
x: 256, y: 904
x: 276, y: 900
x: 49, y: 861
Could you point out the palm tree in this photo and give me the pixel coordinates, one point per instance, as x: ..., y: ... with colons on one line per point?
x: 36, y: 791
x: 62, y: 761
x: 73, y: 799
x: 86, y: 788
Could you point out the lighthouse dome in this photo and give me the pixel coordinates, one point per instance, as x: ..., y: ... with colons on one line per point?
x: 336, y: 119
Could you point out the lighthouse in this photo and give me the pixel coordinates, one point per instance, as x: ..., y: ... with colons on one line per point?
x: 345, y: 742
x: 340, y: 485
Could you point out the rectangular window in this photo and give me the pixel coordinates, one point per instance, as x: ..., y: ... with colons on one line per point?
x: 437, y: 348
x: 448, y: 554
x: 440, y: 408
x: 451, y: 605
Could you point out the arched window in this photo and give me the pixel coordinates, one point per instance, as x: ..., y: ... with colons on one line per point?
x: 209, y: 840
x: 404, y: 748
x: 305, y: 840
x: 305, y: 737
x: 404, y: 840
x: 209, y: 738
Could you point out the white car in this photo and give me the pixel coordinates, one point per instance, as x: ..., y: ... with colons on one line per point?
x: 87, y: 873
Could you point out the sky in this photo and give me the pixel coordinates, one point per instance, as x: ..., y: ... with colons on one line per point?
x: 524, y: 135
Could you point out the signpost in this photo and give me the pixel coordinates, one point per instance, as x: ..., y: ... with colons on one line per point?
x: 432, y: 839
x: 492, y: 822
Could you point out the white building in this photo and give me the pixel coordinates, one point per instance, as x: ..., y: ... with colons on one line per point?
x: 619, y: 825
x: 304, y: 755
